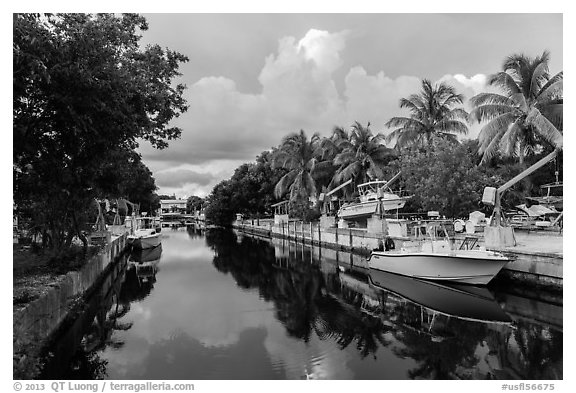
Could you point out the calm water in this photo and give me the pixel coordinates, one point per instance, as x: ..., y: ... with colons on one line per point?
x: 215, y: 305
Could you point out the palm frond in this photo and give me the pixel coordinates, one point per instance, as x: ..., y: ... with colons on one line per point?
x: 404, y: 122
x: 539, y: 75
x: 452, y: 126
x: 457, y: 114
x: 554, y: 113
x: 545, y: 128
x: 556, y: 78
x: 490, y: 98
x: 555, y: 90
x: 348, y: 172
x: 489, y: 111
x: 520, y: 101
x: 508, y: 142
x: 496, y: 127
x: 284, y: 183
x: 505, y: 82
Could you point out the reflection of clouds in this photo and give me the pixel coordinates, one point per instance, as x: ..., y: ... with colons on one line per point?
x: 317, y: 359
x: 121, y: 362
x: 210, y: 307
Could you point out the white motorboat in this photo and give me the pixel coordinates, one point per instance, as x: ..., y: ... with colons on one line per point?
x: 437, y: 260
x: 145, y: 235
x: 371, y: 195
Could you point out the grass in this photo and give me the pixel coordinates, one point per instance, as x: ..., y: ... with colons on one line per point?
x: 35, y: 271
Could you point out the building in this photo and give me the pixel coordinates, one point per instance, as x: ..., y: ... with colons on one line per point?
x: 173, y: 206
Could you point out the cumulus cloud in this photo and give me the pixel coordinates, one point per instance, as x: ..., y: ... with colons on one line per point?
x: 225, y: 126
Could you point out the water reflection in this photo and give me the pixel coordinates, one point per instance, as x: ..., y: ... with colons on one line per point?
x: 224, y: 306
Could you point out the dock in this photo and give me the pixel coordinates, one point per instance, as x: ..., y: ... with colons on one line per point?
x: 537, y: 257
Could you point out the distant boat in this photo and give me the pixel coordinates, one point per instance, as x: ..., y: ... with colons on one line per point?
x: 145, y: 235
x: 437, y: 260
x: 371, y: 194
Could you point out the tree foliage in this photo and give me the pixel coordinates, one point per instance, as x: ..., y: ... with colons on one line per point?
x: 436, y: 111
x: 527, y: 116
x: 84, y: 93
x: 445, y: 178
x: 362, y: 156
x: 193, y: 203
x: 249, y: 191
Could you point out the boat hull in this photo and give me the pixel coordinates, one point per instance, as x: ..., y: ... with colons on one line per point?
x: 466, y: 267
x: 144, y: 242
x: 366, y: 209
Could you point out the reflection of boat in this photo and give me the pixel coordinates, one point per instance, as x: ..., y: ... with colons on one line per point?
x: 146, y: 235
x: 437, y: 260
x: 146, y: 255
x: 370, y: 196
x: 461, y: 301
x: 172, y: 220
x: 145, y: 261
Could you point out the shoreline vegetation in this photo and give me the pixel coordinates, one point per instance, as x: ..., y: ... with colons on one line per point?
x: 85, y: 92
x: 444, y: 171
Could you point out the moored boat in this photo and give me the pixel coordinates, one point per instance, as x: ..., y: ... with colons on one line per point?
x: 145, y: 235
x: 438, y: 260
x: 371, y: 195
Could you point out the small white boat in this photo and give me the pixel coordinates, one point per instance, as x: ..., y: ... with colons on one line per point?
x: 371, y: 194
x: 145, y: 235
x: 437, y: 260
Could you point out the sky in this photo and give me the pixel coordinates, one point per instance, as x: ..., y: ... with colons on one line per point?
x: 254, y: 78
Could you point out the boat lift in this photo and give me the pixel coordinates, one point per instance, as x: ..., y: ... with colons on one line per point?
x: 499, y: 233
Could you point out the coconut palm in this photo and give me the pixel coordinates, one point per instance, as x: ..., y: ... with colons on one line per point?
x: 527, y: 114
x: 298, y: 155
x: 362, y: 155
x: 435, y: 111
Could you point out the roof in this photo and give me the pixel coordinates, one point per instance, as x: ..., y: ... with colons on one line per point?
x: 535, y: 210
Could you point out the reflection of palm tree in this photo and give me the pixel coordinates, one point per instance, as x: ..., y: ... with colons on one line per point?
x: 540, y: 349
x: 299, y: 293
x: 439, y: 350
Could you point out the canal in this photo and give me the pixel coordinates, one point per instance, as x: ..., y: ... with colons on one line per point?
x: 214, y: 304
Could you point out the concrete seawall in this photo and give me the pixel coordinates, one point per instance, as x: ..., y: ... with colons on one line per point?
x: 41, y: 317
x: 530, y: 266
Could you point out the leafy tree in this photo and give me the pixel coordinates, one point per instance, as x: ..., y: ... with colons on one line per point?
x: 249, y: 191
x: 220, y: 204
x: 82, y: 88
x: 124, y: 175
x: 435, y: 111
x: 193, y: 203
x: 527, y: 116
x: 446, y: 178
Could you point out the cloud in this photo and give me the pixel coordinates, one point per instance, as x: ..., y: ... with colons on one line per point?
x: 180, y: 177
x: 224, y: 126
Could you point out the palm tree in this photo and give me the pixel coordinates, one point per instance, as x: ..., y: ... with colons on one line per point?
x: 362, y: 155
x: 433, y: 112
x: 298, y: 155
x: 527, y: 114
